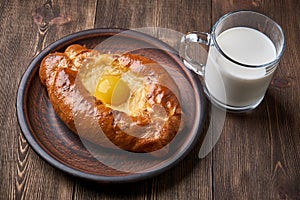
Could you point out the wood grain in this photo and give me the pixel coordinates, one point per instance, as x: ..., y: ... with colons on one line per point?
x: 23, y: 174
x: 257, y: 156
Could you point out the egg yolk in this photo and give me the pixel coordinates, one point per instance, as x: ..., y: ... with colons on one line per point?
x: 112, y: 90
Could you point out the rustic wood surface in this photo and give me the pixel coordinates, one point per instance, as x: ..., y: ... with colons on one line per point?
x: 257, y: 155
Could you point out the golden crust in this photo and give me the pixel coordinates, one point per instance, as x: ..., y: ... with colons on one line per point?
x: 58, y: 73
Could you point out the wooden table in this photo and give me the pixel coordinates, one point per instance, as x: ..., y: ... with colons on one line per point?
x: 257, y: 155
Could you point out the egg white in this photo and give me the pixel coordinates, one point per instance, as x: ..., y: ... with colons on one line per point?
x: 97, y: 67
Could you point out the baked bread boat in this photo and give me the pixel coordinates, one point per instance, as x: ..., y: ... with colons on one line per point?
x: 117, y: 101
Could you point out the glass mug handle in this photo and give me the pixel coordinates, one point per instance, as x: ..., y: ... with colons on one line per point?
x: 193, y: 37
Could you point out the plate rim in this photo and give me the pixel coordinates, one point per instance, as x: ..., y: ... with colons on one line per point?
x: 133, y: 177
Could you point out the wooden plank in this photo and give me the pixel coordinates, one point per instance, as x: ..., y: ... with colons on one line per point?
x: 257, y: 156
x: 26, y: 28
x: 177, y: 15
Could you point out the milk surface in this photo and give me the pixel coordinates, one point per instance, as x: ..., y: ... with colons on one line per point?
x: 233, y: 84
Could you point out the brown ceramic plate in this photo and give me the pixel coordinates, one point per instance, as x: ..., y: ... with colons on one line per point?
x: 56, y: 144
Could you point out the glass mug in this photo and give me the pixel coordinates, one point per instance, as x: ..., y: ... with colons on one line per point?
x: 244, y: 50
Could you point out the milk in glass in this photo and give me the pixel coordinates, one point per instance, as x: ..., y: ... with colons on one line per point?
x: 233, y: 84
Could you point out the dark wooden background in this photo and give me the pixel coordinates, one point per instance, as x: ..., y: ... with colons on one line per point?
x: 257, y: 155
